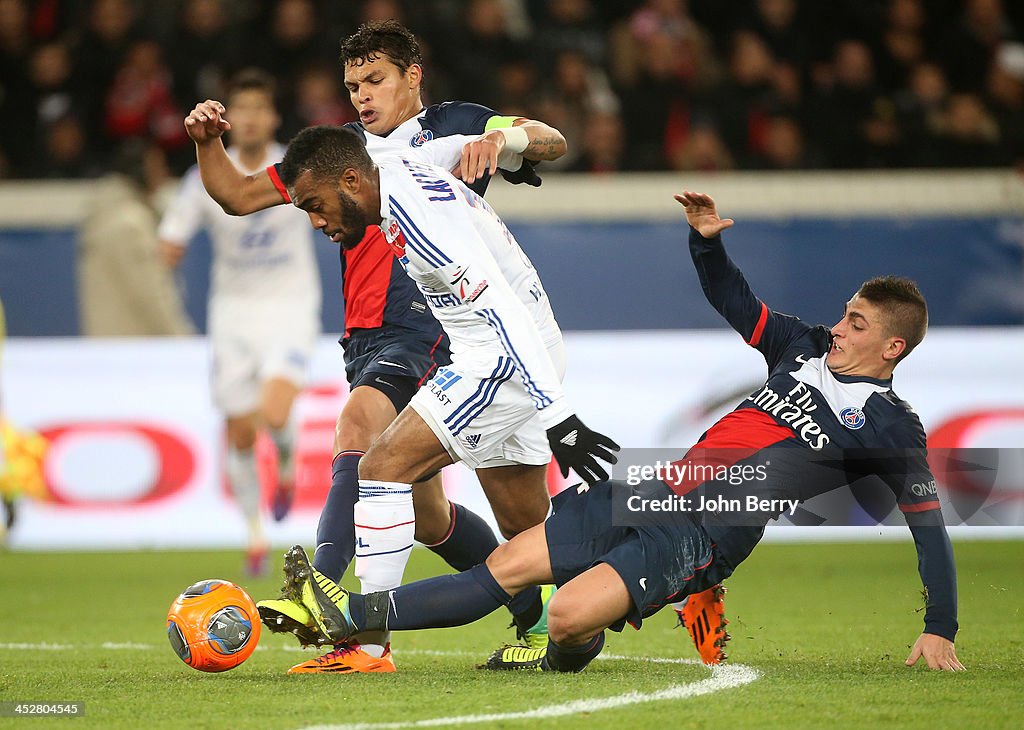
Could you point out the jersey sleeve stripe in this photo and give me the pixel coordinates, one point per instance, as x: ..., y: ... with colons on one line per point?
x: 920, y: 506
x: 423, y: 239
x: 411, y: 241
x: 759, y: 328
x: 276, y: 179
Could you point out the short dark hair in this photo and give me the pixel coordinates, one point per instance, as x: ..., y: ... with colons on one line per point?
x: 324, y: 151
x: 253, y: 79
x: 904, y: 309
x: 387, y: 37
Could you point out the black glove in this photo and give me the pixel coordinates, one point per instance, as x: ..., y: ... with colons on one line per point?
x: 525, y: 174
x: 578, y: 448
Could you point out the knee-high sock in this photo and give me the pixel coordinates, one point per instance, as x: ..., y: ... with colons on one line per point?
x: 284, y: 441
x: 572, y: 658
x: 336, y: 533
x: 468, y: 543
x: 469, y: 540
x: 245, y: 485
x: 447, y: 600
x: 385, y: 524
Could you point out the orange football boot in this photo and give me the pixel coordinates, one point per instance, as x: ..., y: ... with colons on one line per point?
x: 347, y: 659
x: 703, y: 616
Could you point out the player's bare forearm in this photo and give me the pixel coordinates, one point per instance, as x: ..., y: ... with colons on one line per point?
x: 235, y: 192
x: 546, y: 143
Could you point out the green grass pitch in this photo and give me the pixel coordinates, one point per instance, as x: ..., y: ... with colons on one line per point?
x: 826, y: 627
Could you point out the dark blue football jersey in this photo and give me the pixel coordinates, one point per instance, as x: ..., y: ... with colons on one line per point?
x: 818, y: 430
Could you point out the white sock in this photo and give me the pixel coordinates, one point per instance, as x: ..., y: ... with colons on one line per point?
x: 284, y: 441
x: 385, y: 524
x: 245, y: 482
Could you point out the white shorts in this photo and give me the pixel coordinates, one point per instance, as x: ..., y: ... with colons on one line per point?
x: 254, y: 343
x: 480, y: 411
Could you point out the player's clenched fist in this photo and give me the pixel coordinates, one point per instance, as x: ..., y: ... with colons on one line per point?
x: 206, y: 122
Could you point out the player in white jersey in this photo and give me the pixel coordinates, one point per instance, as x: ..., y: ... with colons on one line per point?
x: 264, y: 311
x: 499, y: 407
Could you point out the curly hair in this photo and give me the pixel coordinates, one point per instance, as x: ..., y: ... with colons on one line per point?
x: 389, y: 38
x: 325, y: 152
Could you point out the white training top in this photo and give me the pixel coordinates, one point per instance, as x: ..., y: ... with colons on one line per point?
x: 476, y: 279
x: 264, y: 255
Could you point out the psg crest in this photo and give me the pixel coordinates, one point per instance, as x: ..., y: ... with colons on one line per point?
x: 424, y: 136
x: 852, y: 418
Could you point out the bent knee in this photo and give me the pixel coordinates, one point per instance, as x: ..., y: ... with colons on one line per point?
x: 564, y: 627
x: 353, y: 433
x: 511, y: 567
x: 275, y: 419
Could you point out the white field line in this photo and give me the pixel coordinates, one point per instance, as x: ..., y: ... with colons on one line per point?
x: 724, y: 676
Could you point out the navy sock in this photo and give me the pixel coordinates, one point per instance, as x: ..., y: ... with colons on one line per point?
x: 572, y: 658
x: 434, y: 603
x: 526, y: 608
x: 469, y: 540
x: 468, y: 543
x: 336, y: 532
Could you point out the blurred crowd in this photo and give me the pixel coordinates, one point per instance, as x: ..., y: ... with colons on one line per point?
x: 633, y: 84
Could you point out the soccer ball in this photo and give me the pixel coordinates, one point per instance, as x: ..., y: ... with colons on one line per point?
x: 213, y: 626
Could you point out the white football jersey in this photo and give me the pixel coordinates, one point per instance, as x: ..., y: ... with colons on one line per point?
x: 265, y: 255
x: 476, y: 279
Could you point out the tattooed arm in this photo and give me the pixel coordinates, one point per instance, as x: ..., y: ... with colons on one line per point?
x: 546, y: 142
x: 535, y: 141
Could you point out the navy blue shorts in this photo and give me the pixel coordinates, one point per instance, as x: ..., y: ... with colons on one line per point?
x: 395, y: 362
x: 659, y: 565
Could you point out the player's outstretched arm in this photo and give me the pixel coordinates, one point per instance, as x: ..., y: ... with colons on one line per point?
x: 938, y: 651
x: 702, y: 215
x: 235, y: 192
x: 536, y: 141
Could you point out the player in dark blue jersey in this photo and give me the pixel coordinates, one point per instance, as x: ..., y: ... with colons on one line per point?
x: 826, y: 416
x: 392, y: 343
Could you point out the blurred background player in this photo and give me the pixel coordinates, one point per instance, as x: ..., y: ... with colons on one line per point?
x: 391, y: 342
x: 124, y: 288
x: 264, y: 312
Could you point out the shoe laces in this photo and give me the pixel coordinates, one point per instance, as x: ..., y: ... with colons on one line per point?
x: 340, y: 651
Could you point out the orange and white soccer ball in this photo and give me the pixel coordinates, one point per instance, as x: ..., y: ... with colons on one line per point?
x: 213, y: 626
